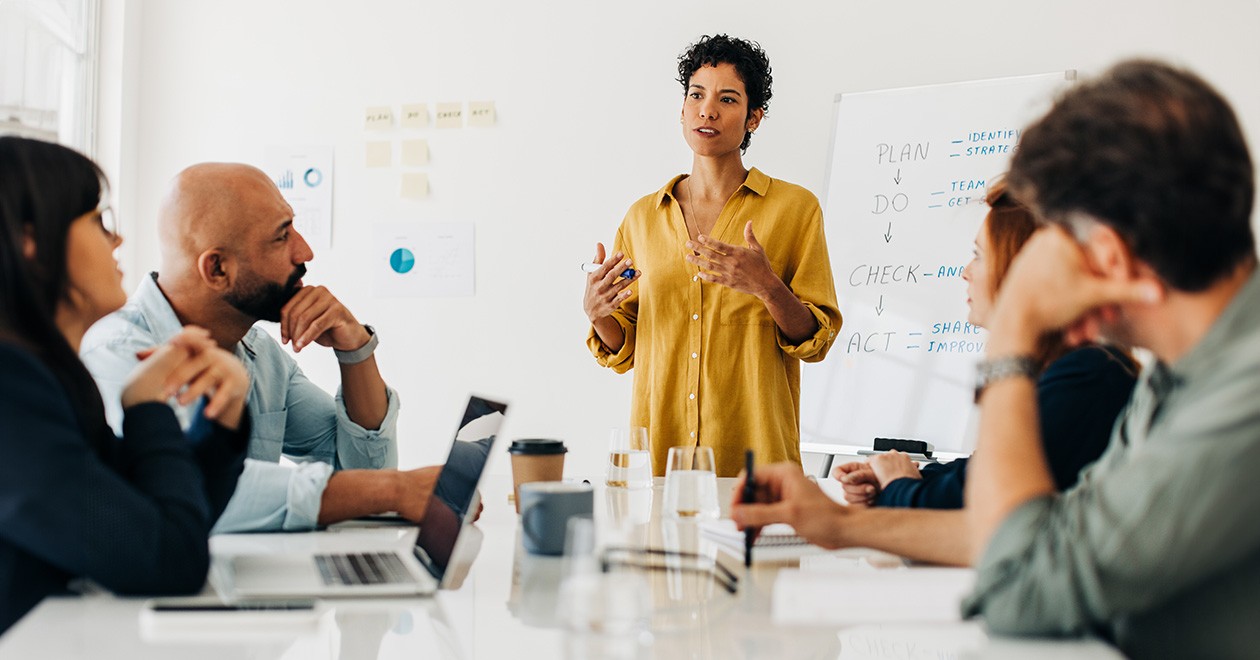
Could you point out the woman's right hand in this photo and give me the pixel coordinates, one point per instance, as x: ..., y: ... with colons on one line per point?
x: 604, y: 290
x: 861, y: 486
x: 191, y: 365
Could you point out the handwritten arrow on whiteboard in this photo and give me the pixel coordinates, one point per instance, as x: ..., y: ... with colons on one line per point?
x: 897, y: 179
x: 879, y: 311
x: 888, y: 234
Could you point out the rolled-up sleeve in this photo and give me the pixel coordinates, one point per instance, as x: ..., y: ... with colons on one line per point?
x: 626, y: 316
x: 318, y: 427
x: 622, y: 360
x: 358, y: 447
x: 813, y: 285
x: 273, y: 497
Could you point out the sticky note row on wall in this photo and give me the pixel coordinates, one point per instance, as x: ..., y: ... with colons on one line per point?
x: 416, y: 115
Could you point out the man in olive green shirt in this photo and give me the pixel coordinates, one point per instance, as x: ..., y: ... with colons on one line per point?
x: 1145, y: 180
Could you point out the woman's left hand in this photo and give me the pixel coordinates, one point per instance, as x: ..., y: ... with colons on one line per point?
x: 743, y: 269
x: 892, y: 466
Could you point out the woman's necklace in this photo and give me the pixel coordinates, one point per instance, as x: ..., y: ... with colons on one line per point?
x: 689, y: 213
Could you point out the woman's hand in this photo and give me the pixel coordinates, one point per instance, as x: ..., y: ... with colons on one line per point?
x: 860, y: 484
x: 743, y: 269
x: 892, y: 466
x: 191, y: 365
x: 605, y: 288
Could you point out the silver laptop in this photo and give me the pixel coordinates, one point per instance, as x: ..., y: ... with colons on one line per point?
x: 346, y: 564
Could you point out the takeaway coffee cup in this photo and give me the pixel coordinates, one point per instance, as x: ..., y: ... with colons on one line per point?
x: 546, y: 507
x: 535, y: 459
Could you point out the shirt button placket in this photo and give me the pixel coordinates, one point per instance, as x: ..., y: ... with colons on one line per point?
x: 693, y: 366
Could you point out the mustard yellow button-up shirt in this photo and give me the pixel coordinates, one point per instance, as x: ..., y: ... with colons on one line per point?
x: 711, y: 368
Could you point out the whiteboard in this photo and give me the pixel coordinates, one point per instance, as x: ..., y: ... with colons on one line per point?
x: 907, y: 177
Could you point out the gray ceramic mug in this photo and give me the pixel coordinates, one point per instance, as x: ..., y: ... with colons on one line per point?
x: 546, y: 507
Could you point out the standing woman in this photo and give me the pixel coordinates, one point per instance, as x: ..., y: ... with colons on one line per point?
x: 132, y: 513
x: 736, y: 284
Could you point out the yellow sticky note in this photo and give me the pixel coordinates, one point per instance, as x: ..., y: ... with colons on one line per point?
x: 415, y: 185
x: 450, y: 115
x: 379, y: 118
x: 415, y: 115
x: 379, y: 154
x: 415, y: 153
x: 481, y: 113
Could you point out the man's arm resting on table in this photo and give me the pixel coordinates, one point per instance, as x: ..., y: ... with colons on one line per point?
x: 353, y: 493
x: 926, y: 535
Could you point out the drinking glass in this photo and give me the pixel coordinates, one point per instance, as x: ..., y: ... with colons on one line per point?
x: 629, y: 460
x: 690, y: 484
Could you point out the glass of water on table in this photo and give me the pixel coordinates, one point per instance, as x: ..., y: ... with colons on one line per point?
x: 691, y: 484
x: 629, y: 460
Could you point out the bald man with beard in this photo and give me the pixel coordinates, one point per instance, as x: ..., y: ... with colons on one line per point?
x: 230, y: 258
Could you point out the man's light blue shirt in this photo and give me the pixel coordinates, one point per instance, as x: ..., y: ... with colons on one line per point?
x: 290, y: 415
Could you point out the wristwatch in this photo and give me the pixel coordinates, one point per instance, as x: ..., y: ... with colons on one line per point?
x: 991, y: 371
x: 361, y: 353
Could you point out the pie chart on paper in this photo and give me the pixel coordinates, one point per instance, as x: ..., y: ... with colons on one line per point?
x: 402, y: 260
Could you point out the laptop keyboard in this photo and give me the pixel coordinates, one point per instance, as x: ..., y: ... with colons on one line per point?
x: 362, y: 568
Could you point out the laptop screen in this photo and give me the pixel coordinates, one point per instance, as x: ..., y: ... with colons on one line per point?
x: 448, y: 507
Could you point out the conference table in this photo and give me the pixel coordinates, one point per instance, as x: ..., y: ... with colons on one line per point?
x: 512, y: 604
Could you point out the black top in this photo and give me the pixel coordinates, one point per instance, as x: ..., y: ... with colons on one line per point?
x: 132, y: 514
x: 1079, y: 397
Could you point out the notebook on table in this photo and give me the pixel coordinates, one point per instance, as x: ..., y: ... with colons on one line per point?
x: 776, y: 542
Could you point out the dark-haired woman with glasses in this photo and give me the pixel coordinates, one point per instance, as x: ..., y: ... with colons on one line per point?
x: 734, y: 284
x: 134, y: 513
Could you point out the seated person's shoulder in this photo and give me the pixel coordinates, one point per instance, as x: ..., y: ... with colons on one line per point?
x: 24, y: 375
x: 122, y: 328
x: 19, y: 362
x: 1094, y: 361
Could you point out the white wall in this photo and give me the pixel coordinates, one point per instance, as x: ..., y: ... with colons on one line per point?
x: 587, y: 123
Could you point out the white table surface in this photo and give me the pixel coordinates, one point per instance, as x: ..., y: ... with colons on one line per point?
x: 506, y: 608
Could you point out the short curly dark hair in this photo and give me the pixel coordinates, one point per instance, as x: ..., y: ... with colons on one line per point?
x: 1157, y: 154
x: 747, y: 57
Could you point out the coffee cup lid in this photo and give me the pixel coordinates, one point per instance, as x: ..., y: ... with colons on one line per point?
x: 537, y: 446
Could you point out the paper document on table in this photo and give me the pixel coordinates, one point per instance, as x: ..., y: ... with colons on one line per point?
x: 775, y: 542
x: 909, y: 595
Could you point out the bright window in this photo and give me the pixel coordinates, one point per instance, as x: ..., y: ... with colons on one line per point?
x: 48, y: 56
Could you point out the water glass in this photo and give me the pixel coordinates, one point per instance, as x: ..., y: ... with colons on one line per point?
x: 690, y: 484
x: 629, y: 460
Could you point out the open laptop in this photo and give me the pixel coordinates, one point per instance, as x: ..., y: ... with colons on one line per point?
x: 342, y: 564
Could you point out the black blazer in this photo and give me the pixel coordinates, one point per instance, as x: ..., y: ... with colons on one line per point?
x: 133, y: 514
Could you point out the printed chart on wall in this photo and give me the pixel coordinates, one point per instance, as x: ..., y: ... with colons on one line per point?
x: 424, y: 259
x: 304, y: 176
x: 905, y: 196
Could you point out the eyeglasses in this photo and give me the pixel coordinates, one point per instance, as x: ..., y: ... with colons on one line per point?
x: 109, y: 223
x: 655, y: 559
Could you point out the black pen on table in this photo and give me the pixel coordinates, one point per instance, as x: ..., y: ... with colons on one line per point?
x: 749, y: 496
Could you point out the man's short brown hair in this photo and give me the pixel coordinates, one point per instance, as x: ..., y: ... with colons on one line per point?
x: 1157, y: 154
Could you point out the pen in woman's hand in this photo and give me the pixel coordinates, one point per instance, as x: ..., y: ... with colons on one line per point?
x: 588, y: 267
